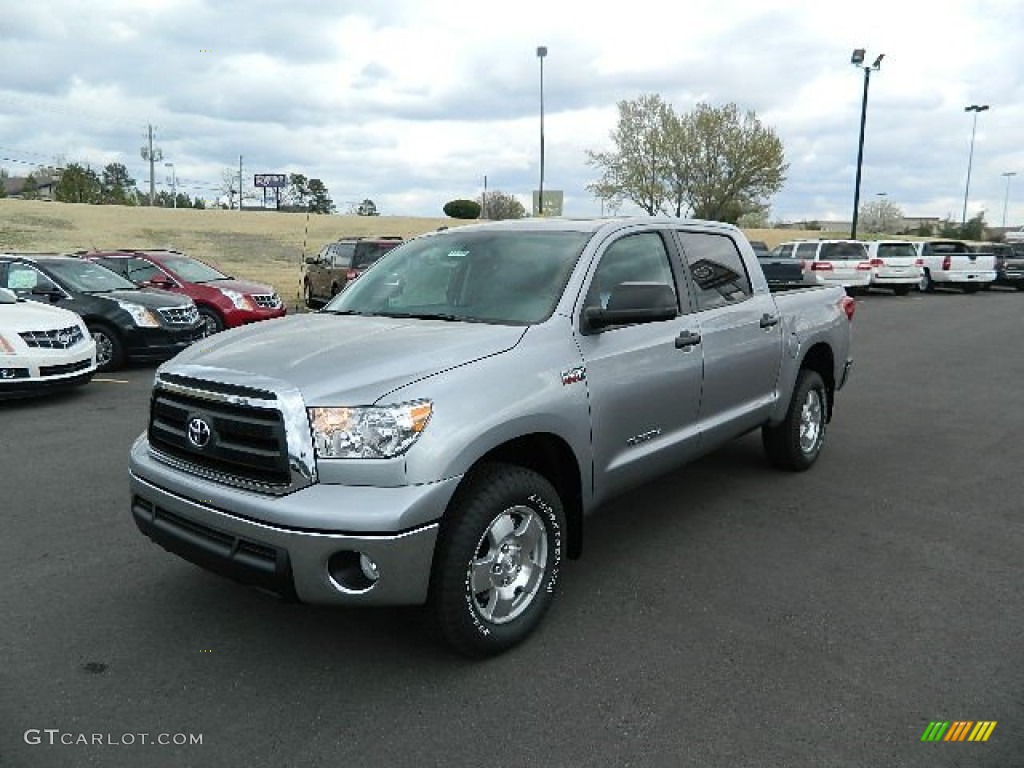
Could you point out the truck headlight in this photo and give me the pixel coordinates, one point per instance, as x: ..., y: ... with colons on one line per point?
x: 142, y: 316
x: 240, y: 300
x: 367, y: 432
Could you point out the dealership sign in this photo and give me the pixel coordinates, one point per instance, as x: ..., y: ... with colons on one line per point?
x: 270, y: 180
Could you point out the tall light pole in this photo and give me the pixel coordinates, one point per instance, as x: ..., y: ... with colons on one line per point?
x: 857, y: 59
x: 975, y: 108
x: 1006, y: 198
x: 174, y: 184
x: 542, y: 51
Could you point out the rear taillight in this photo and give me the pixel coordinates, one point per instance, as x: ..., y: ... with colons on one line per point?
x: 947, y: 262
x: 821, y: 266
x: 877, y: 263
x: 351, y: 274
x: 849, y: 306
x: 864, y: 266
x: 918, y: 262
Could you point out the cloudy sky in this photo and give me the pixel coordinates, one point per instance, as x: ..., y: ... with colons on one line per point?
x: 411, y: 102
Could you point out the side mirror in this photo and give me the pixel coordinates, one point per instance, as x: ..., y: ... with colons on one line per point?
x: 312, y: 260
x: 633, y: 303
x: 49, y: 290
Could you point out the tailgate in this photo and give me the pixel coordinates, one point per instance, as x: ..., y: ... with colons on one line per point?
x: 782, y: 271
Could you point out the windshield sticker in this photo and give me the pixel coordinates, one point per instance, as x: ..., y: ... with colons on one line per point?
x: 458, y: 254
x: 21, y: 280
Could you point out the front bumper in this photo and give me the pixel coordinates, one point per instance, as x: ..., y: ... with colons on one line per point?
x: 291, y: 544
x: 160, y: 343
x: 45, y: 370
x: 235, y: 317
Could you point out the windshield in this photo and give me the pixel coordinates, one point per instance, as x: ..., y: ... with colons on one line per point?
x: 503, y: 277
x: 88, y: 277
x: 192, y: 271
x: 896, y: 250
x: 843, y: 251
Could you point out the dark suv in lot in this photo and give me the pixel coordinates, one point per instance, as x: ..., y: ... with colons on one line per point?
x: 127, y: 323
x: 223, y: 301
x: 339, y: 263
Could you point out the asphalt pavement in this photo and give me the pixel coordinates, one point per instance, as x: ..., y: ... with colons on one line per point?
x: 725, y: 615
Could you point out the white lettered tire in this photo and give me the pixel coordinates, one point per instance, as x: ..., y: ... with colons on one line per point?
x: 498, y: 557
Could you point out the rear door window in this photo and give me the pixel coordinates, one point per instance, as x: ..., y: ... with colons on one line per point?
x: 807, y: 251
x: 343, y: 255
x: 368, y: 252
x: 716, y: 269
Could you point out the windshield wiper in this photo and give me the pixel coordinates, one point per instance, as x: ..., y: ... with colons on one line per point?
x: 431, y: 316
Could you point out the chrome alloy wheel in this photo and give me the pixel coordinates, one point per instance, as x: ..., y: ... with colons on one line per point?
x: 509, y: 566
x: 812, y: 416
x: 104, y: 348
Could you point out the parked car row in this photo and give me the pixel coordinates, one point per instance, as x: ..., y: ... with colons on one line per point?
x: 897, y: 265
x: 65, y: 316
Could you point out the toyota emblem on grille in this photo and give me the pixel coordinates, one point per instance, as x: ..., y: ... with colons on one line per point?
x: 198, y: 432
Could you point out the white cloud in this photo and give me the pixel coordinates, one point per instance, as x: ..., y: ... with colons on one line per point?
x: 411, y: 103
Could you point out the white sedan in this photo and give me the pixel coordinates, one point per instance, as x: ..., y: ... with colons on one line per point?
x: 41, y: 348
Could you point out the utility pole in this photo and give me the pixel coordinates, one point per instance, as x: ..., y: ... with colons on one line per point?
x: 153, y: 155
x: 483, y: 208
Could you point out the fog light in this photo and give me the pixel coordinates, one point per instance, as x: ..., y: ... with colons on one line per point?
x: 368, y: 567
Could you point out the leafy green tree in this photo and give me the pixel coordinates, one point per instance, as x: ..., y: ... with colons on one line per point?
x: 319, y: 198
x: 183, y: 201
x: 498, y: 206
x: 367, y: 208
x: 948, y: 229
x: 723, y: 163
x: 298, y: 189
x: 79, y: 184
x: 199, y: 204
x: 462, y: 209
x: 636, y: 169
x: 924, y: 229
x: 116, y: 184
x: 974, y: 229
x: 3, y: 183
x: 880, y: 216
x: 30, y: 189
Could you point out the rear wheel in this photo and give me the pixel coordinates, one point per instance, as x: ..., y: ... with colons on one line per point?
x: 497, y: 561
x: 796, y: 442
x: 109, y: 348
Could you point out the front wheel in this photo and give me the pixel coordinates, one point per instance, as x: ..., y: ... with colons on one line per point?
x: 497, y: 562
x: 109, y: 348
x: 796, y: 442
x: 212, y: 322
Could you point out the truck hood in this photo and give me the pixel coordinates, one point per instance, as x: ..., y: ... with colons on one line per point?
x: 240, y: 286
x: 28, y: 316
x: 151, y: 298
x: 341, y: 360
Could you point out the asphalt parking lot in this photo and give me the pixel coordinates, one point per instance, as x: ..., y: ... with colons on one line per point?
x: 726, y: 615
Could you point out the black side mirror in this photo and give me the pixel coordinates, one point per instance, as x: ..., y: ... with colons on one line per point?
x: 49, y: 290
x: 633, y: 303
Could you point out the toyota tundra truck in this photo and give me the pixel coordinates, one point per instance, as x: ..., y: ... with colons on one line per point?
x: 438, y: 432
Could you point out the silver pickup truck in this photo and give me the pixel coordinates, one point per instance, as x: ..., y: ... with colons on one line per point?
x: 439, y: 431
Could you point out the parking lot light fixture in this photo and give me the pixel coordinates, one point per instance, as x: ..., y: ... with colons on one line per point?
x: 975, y: 108
x: 542, y: 51
x: 857, y: 59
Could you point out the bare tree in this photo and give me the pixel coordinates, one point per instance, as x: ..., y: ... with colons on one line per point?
x: 229, y: 186
x: 502, y: 205
x: 881, y: 215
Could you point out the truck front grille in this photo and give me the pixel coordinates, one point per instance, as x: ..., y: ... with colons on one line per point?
x: 235, y: 443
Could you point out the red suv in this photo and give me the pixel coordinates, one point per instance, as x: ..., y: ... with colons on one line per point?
x: 223, y: 301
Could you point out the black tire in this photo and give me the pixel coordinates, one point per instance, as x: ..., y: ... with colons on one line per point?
x: 927, y: 285
x: 109, y: 347
x: 785, y: 444
x: 308, y: 293
x: 901, y: 290
x: 213, y: 321
x: 499, y: 505
x: 1019, y: 286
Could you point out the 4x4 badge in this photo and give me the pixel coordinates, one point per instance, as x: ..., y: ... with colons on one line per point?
x: 574, y: 375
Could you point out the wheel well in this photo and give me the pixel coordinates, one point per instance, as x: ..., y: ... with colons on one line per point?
x: 820, y: 360
x: 550, y: 456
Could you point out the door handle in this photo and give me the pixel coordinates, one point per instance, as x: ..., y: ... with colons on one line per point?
x: 767, y: 321
x: 687, y: 339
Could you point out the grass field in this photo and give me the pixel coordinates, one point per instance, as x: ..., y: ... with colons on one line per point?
x: 260, y: 245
